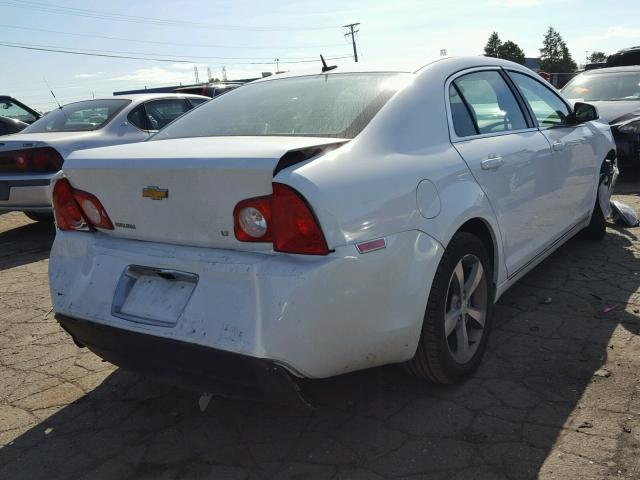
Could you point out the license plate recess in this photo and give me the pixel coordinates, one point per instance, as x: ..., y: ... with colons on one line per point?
x: 154, y: 296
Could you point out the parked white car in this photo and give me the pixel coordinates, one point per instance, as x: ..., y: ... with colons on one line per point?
x: 30, y: 158
x: 313, y: 224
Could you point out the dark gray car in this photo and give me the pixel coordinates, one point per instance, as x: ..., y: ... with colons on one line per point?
x: 616, y: 94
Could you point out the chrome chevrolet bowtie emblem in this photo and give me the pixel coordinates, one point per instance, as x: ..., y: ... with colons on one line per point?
x: 155, y: 193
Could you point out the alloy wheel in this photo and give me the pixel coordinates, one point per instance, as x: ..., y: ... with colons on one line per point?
x: 466, y: 308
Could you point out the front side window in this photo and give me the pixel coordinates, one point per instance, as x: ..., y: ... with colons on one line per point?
x: 547, y: 107
x: 161, y: 113
x: 491, y: 102
x: 334, y: 105
x: 10, y: 109
x: 79, y: 117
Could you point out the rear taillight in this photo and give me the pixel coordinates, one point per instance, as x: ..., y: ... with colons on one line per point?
x: 295, y: 228
x: 283, y: 218
x: 78, y: 210
x: 33, y: 160
x: 252, y: 220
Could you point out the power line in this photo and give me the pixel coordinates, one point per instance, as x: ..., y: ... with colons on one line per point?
x: 352, y: 33
x: 128, y: 57
x: 197, y: 45
x: 101, y: 15
x: 187, y: 57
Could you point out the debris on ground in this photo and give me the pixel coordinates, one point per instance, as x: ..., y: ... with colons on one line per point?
x: 547, y: 301
x: 602, y: 372
x: 586, y: 425
x: 534, y: 328
x: 624, y: 215
x: 597, y: 297
x: 611, y: 308
x: 626, y: 429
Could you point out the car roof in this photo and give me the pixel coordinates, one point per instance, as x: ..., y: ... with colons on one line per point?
x: 397, y: 67
x: 152, y: 96
x: 142, y: 97
x: 597, y: 71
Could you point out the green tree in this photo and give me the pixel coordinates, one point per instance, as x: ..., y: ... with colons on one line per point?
x: 492, y: 48
x: 554, y: 54
x: 598, y: 57
x: 511, y: 51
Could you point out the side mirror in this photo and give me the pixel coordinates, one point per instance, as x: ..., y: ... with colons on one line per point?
x: 584, y: 112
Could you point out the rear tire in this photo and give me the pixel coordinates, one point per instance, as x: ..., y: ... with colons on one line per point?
x: 40, y: 216
x: 457, y: 320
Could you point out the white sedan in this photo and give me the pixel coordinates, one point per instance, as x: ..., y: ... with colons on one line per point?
x: 309, y: 225
x: 30, y: 158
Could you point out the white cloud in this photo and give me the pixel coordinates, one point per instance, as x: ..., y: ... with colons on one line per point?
x: 623, y: 32
x: 89, y: 75
x: 514, y: 3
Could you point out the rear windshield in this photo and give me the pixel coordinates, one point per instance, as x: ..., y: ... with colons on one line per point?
x: 78, y: 117
x: 337, y: 105
x: 604, y: 86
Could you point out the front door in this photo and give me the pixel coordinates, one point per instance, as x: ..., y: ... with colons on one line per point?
x: 573, y: 172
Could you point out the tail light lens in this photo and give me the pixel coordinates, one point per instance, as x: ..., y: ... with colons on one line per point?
x: 295, y: 228
x: 252, y: 220
x: 33, y: 160
x: 283, y: 218
x: 78, y: 210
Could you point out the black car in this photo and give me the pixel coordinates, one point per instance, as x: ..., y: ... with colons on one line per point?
x: 11, y: 125
x: 209, y: 90
x: 616, y: 94
x: 15, y: 115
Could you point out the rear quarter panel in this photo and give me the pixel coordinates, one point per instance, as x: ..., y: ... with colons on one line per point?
x: 367, y: 189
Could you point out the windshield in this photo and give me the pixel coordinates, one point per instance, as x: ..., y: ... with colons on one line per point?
x: 604, y: 86
x: 10, y: 109
x: 337, y: 105
x: 78, y: 117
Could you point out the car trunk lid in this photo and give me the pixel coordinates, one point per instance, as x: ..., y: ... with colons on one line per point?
x: 182, y: 191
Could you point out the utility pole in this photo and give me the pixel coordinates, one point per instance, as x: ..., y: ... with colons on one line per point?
x: 195, y: 71
x: 352, y: 32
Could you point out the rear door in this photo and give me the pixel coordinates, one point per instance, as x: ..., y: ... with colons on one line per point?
x: 573, y: 173
x: 508, y: 157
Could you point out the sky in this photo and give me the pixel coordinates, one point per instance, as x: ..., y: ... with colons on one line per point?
x: 246, y: 36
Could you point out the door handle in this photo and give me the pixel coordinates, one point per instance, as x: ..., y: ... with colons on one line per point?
x: 491, y: 163
x: 558, y: 146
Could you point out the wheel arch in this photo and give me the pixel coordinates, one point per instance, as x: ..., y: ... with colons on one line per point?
x: 482, y: 229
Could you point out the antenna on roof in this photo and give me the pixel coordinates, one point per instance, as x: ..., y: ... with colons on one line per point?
x: 52, y: 94
x: 325, y: 67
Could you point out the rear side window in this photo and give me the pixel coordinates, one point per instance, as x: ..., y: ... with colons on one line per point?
x: 491, y: 102
x: 197, y: 101
x: 547, y: 107
x: 136, y: 117
x: 161, y: 113
x: 462, y: 121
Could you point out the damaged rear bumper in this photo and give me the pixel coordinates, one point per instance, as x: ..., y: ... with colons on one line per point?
x: 187, y: 365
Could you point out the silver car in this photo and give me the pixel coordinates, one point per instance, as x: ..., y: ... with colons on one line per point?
x: 30, y: 158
